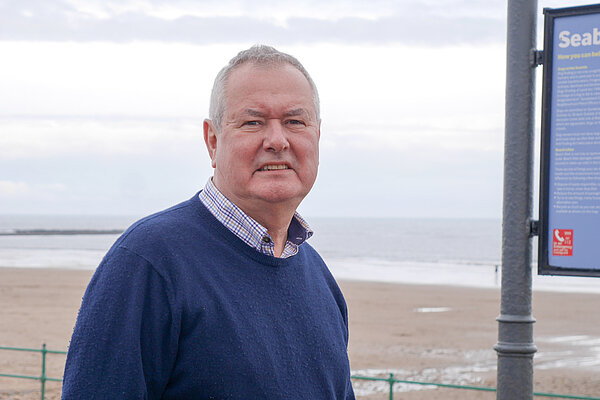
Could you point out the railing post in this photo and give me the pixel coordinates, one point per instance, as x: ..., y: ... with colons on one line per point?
x: 391, y: 380
x: 43, y: 377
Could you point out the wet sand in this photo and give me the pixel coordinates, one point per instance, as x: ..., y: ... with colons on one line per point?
x: 423, y: 333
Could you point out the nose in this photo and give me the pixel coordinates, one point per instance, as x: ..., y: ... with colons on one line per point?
x: 275, y: 137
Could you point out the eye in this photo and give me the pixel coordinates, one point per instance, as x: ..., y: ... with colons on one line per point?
x: 251, y: 123
x: 296, y: 122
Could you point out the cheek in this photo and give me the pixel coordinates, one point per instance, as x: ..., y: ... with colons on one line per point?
x: 310, y: 157
x: 310, y: 150
x: 235, y: 158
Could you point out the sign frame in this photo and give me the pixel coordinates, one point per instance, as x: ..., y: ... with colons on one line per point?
x: 545, y: 266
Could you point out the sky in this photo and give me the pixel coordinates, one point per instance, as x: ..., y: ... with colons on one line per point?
x: 102, y: 102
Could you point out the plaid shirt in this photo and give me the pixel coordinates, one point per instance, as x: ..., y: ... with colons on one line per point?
x: 247, y: 229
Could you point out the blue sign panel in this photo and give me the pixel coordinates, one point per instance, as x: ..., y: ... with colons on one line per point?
x: 570, y: 179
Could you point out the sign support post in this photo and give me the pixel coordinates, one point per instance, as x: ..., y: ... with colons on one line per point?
x: 515, y: 345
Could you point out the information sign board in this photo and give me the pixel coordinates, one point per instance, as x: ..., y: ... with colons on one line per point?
x: 570, y: 159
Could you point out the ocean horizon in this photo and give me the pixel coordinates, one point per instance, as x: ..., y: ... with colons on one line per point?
x: 428, y: 251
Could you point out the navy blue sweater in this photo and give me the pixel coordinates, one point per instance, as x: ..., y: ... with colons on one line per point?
x: 180, y: 308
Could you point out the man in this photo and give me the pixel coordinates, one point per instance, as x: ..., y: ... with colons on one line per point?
x: 220, y: 297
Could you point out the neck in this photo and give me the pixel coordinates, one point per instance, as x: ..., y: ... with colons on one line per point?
x: 276, y: 219
x: 277, y: 223
x: 279, y: 240
x: 274, y: 216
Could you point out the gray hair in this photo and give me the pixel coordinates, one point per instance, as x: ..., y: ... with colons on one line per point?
x: 260, y: 55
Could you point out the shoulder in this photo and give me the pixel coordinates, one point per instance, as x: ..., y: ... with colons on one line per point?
x: 164, y: 226
x: 155, y: 246
x: 320, y: 271
x: 310, y: 256
x: 164, y: 221
x: 167, y: 237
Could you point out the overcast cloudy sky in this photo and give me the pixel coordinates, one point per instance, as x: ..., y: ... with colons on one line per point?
x: 102, y: 102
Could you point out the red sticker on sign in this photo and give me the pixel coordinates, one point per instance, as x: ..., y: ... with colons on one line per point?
x: 562, y: 242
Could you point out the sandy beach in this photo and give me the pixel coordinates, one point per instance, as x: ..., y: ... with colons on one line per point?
x: 417, y: 332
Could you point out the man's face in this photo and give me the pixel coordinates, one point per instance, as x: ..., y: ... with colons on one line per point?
x: 267, y: 152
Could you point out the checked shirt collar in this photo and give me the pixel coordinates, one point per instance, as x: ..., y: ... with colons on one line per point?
x: 247, y: 229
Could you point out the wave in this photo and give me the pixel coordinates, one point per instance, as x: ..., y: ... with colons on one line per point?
x: 474, y: 275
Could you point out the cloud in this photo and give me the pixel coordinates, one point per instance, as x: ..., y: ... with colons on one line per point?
x: 16, y: 189
x: 28, y: 138
x: 433, y: 23
x: 107, y: 98
x: 10, y: 188
x: 421, y: 181
x: 431, y: 135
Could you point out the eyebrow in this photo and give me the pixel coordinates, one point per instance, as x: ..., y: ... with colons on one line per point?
x: 291, y: 113
x: 254, y: 113
x: 296, y: 112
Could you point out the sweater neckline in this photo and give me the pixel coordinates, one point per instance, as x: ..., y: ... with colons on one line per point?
x: 236, y: 242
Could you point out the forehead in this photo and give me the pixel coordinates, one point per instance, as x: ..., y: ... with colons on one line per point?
x: 267, y: 85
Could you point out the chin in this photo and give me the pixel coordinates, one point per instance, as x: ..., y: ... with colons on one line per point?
x: 281, y: 195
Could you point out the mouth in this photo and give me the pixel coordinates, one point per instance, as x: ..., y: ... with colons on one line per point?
x: 274, y: 167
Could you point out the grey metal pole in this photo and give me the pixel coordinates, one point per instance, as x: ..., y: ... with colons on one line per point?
x: 515, y: 345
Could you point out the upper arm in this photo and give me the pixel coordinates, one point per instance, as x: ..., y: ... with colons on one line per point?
x: 124, y: 342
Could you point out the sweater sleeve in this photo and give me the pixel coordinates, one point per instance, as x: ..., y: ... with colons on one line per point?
x: 125, y: 340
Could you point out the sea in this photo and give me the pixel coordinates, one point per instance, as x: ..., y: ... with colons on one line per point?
x: 456, y: 252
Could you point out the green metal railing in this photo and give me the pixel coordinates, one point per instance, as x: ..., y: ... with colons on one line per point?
x: 390, y: 380
x: 42, y: 378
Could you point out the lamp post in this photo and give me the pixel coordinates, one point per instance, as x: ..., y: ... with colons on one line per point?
x: 515, y: 345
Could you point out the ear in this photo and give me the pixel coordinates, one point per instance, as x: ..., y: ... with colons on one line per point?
x: 210, y: 138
